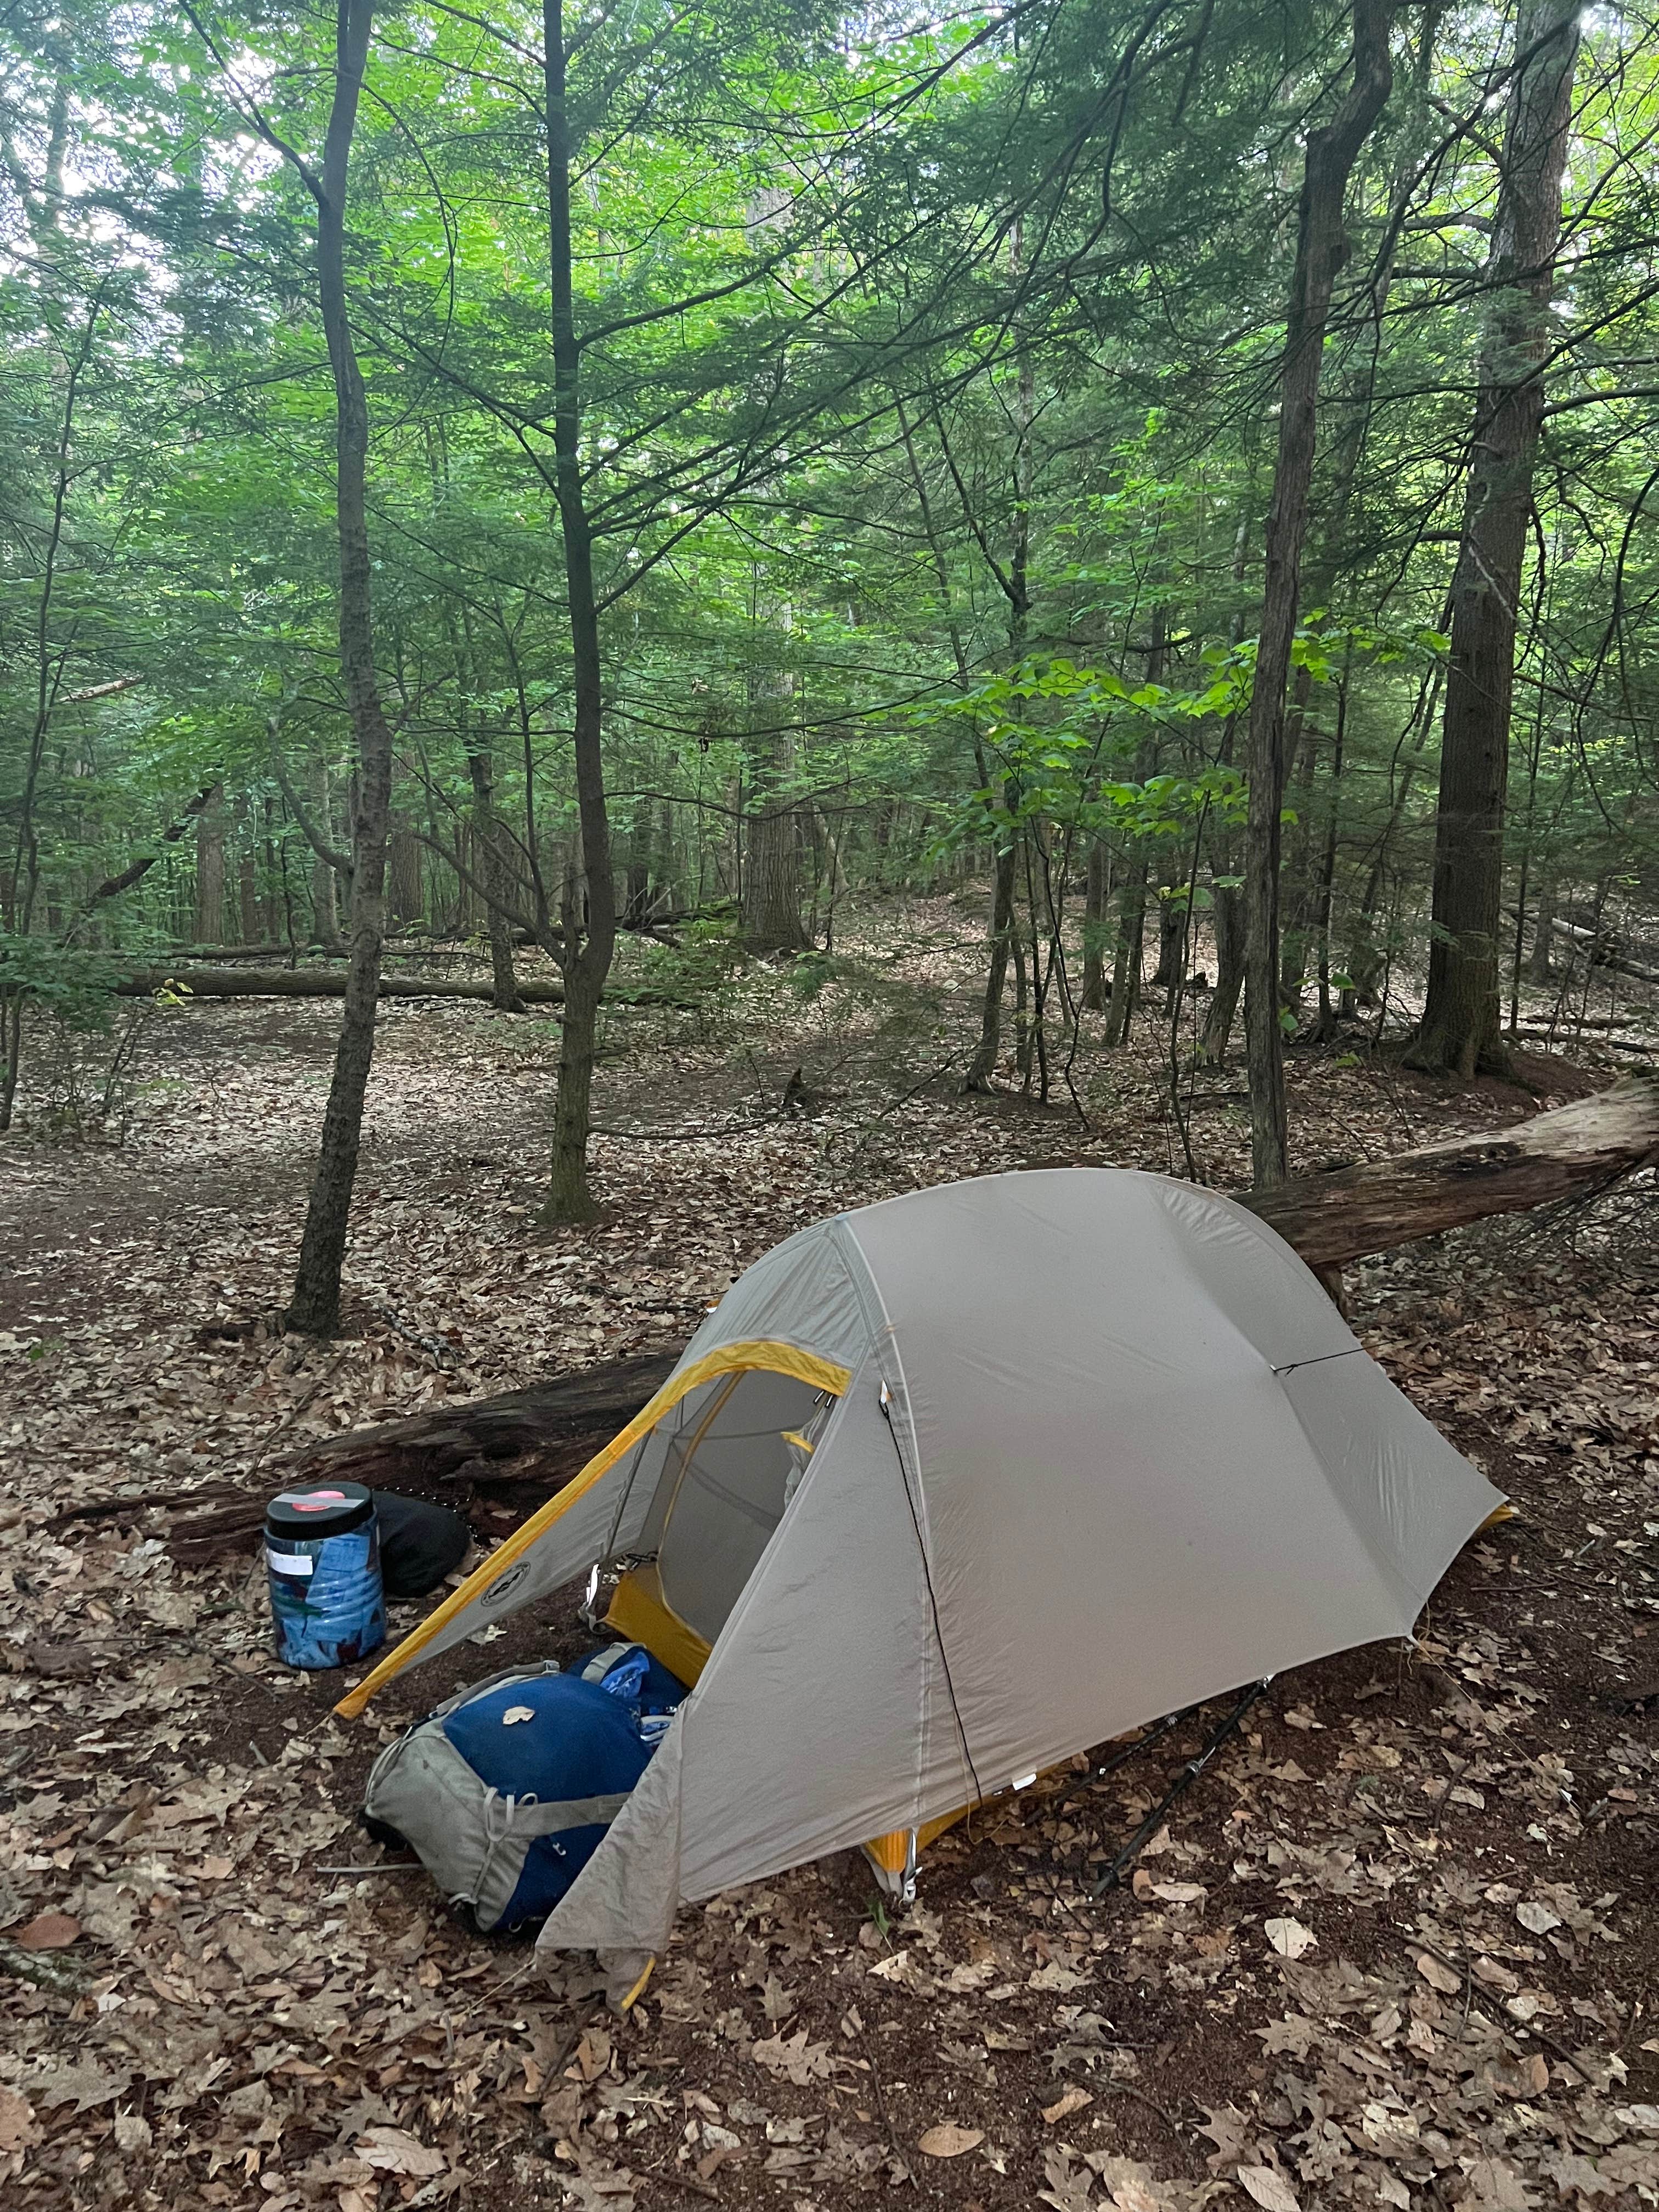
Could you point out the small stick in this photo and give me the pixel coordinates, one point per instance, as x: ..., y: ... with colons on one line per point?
x: 585, y: 2019
x: 396, y: 1866
x: 881, y: 2105
x: 1514, y: 2028
x: 1526, y: 2028
x: 1127, y: 2089
x: 686, y: 2181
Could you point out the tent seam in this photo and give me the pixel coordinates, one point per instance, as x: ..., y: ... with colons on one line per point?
x: 916, y: 1499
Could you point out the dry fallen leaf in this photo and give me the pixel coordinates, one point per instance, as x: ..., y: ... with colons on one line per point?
x: 132, y: 2131
x: 592, y: 2053
x: 17, y: 2128
x: 1290, y: 1938
x: 393, y: 2150
x: 1438, y: 1975
x: 1073, y: 2101
x: 1180, y: 1893
x: 949, y: 2140
x: 48, y: 1931
x: 1271, y: 2190
x: 797, y: 2060
x: 1537, y: 1919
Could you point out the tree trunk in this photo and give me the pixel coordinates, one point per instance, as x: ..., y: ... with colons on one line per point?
x: 324, y: 880
x: 771, y: 898
x: 1022, y: 1009
x: 981, y: 1073
x: 1295, y: 888
x: 1325, y: 888
x: 497, y: 881
x: 1129, y: 958
x: 587, y: 957
x: 1097, y: 886
x: 314, y: 1308
x: 1460, y: 1031
x: 210, y: 922
x: 1229, y: 905
x: 1540, y: 962
x: 407, y: 887
x: 1229, y: 920
x: 20, y: 881
x: 248, y: 931
x: 1172, y: 939
x: 1321, y: 247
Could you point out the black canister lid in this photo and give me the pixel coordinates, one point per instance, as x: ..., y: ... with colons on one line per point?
x: 320, y: 1508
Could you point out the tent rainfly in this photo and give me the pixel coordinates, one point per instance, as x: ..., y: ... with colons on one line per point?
x: 951, y: 1487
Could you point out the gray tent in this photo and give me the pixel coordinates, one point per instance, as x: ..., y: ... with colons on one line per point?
x: 950, y: 1488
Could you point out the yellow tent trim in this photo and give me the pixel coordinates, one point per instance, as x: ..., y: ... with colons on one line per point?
x: 639, y: 1614
x: 890, y: 1852
x: 763, y: 1352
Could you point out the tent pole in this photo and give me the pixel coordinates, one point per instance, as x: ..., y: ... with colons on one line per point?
x: 1189, y: 1774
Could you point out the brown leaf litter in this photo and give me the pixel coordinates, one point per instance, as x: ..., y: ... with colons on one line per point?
x: 1396, y: 1946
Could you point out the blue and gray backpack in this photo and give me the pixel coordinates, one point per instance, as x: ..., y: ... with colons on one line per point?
x: 504, y: 1791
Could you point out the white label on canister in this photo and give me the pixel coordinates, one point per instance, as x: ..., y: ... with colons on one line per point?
x: 290, y: 1563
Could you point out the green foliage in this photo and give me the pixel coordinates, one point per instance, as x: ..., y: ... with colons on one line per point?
x: 925, y: 435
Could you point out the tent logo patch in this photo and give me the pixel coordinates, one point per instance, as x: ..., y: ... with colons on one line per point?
x: 509, y: 1582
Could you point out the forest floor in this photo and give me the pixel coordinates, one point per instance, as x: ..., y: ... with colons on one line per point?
x: 1397, y: 1945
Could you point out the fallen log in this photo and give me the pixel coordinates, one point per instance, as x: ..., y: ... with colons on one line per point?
x: 329, y: 983
x: 313, y: 983
x: 1571, y: 1152
x: 1602, y: 946
x: 502, y: 1456
x: 544, y: 1433
x: 495, y: 1459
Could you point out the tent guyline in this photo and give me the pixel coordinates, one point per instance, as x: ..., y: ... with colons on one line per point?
x: 1143, y: 1460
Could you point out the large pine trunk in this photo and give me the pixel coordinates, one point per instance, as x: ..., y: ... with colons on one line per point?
x: 495, y: 870
x: 1097, y: 887
x: 314, y: 1307
x: 982, y: 1071
x: 1460, y: 1030
x: 209, y: 915
x: 588, y: 953
x: 771, y: 891
x: 1321, y: 247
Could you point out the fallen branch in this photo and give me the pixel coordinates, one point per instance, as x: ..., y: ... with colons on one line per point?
x: 502, y: 1456
x: 329, y: 983
x: 1602, y: 947
x: 1571, y: 1152
x: 521, y: 1447
x: 546, y: 1433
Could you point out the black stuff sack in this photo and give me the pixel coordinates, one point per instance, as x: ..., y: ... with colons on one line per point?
x: 420, y: 1544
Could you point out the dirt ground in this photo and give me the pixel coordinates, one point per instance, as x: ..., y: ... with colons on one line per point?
x: 1396, y: 1944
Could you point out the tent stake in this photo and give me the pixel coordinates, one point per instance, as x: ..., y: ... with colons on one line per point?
x: 1189, y: 1774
